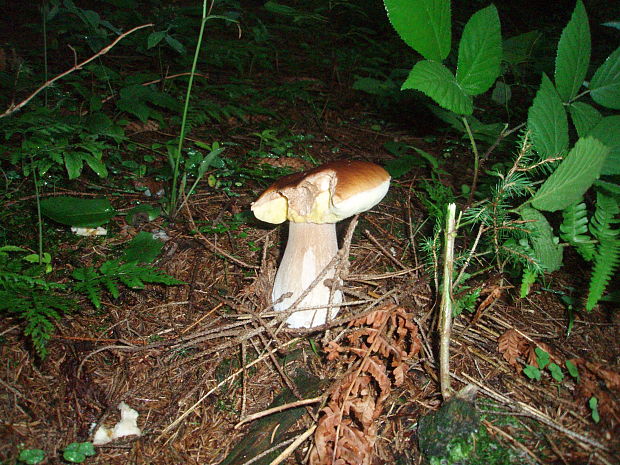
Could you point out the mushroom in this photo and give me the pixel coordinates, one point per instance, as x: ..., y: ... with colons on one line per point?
x: 314, y: 201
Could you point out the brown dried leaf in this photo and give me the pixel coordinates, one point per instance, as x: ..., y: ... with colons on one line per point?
x: 531, y: 356
x: 364, y: 411
x: 492, y: 297
x: 333, y: 350
x: 399, y: 374
x: 512, y: 345
x: 296, y: 164
x: 383, y: 338
x: 611, y: 378
x: 138, y: 127
x: 376, y: 368
x: 354, y: 446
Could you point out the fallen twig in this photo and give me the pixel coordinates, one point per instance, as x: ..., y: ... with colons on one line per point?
x: 279, y: 408
x: 77, y: 66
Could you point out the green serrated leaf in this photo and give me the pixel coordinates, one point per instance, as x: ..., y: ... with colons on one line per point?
x: 73, y: 163
x: 401, y: 165
x: 607, y: 131
x: 73, y: 211
x: 584, y: 117
x: 502, y: 93
x: 605, y: 84
x: 547, y: 121
x: 424, y: 25
x: 480, y: 52
x: 143, y: 248
x: 573, y: 177
x: 518, y: 49
x: 547, y: 252
x: 175, y: 44
x: 571, y: 62
x: 154, y: 38
x: 436, y: 81
x: 96, y: 165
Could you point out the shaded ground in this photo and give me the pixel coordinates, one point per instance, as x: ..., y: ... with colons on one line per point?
x: 171, y: 352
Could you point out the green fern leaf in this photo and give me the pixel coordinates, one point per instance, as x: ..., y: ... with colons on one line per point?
x: 606, y: 209
x: 38, y: 308
x: 87, y: 277
x: 574, y: 230
x: 111, y: 274
x: 528, y: 278
x: 608, y: 251
x: 606, y: 262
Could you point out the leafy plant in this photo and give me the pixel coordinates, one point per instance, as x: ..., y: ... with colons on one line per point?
x: 76, y: 452
x: 178, y: 186
x: 520, y: 233
x: 50, y: 140
x: 25, y: 294
x: 31, y: 456
x: 92, y: 281
x: 593, y: 404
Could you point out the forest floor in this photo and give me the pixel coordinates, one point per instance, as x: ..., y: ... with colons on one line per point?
x: 195, y: 359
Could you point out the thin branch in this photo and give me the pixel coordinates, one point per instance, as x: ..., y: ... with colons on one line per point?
x: 445, y: 316
x: 279, y: 408
x: 103, y: 51
x: 289, y: 450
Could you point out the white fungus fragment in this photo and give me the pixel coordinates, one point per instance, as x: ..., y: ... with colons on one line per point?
x: 127, y: 426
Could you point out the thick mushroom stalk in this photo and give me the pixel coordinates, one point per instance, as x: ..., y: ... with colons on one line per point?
x: 313, y: 201
x: 310, y: 248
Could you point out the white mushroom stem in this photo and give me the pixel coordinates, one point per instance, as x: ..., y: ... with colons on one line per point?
x: 310, y: 248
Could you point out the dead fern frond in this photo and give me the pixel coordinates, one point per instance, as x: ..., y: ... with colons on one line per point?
x: 376, y: 350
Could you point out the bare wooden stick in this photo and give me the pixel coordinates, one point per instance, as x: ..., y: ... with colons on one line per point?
x: 289, y: 450
x: 445, y: 316
x: 279, y: 408
x: 49, y: 82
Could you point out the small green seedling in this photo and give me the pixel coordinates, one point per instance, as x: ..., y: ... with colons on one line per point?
x: 76, y: 452
x: 556, y: 372
x: 31, y: 456
x: 593, y: 404
x: 43, y: 259
x: 544, y: 361
x: 572, y: 369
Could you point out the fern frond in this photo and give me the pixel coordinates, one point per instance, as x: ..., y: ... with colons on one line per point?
x: 607, y: 208
x: 38, y: 308
x: 110, y: 274
x: 605, y: 263
x: 9, y: 280
x: 574, y: 230
x: 528, y: 278
x: 608, y: 251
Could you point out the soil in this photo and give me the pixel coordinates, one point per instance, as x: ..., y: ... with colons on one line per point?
x: 176, y: 354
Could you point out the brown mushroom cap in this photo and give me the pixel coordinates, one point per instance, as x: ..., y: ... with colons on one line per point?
x: 325, y: 194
